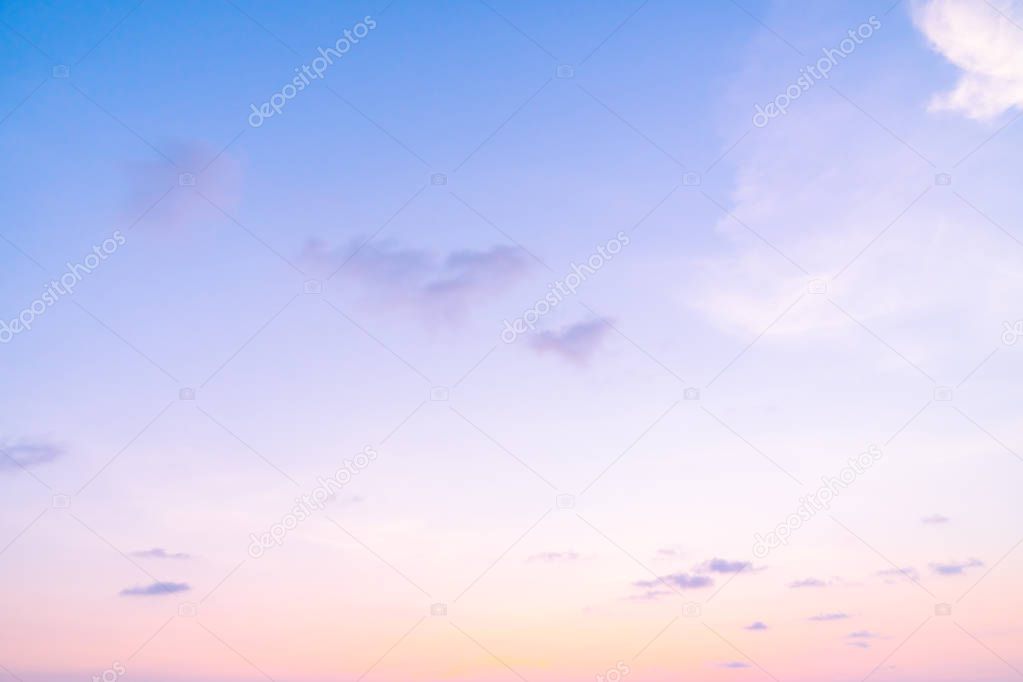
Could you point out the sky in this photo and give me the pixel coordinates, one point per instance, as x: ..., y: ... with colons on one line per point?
x: 488, y: 341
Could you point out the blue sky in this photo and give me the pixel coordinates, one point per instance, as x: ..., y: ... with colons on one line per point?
x: 777, y: 299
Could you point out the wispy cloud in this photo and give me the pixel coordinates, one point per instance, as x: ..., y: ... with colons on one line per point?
x: 436, y: 286
x: 756, y: 625
x: 680, y: 580
x: 733, y: 664
x: 576, y: 343
x: 553, y: 557
x: 955, y: 567
x: 823, y: 617
x: 23, y: 455
x: 155, y: 589
x: 907, y: 573
x: 160, y: 553
x: 808, y: 582
x: 935, y: 518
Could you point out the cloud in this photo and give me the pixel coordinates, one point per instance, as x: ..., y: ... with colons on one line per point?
x: 863, y: 634
x: 986, y: 43
x: 680, y: 580
x: 808, y: 582
x: 445, y: 287
x: 861, y: 645
x: 756, y: 625
x: 823, y: 617
x: 955, y: 568
x: 717, y: 565
x: 576, y: 343
x: 908, y: 573
x: 553, y: 557
x: 24, y: 455
x: 733, y: 664
x: 203, y: 180
x: 156, y: 589
x: 935, y: 518
x: 650, y: 595
x: 160, y: 553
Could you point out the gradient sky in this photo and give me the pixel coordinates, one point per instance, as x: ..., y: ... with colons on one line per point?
x: 584, y: 502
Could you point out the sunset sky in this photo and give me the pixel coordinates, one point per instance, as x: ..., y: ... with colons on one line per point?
x: 494, y: 340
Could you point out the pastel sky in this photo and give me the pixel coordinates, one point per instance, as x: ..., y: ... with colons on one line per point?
x: 509, y: 340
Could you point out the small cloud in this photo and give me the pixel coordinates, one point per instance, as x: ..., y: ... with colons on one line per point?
x: 860, y: 645
x: 756, y: 625
x: 829, y: 616
x: 863, y: 634
x: 935, y: 519
x: 808, y: 582
x: 576, y: 343
x: 955, y: 568
x: 650, y: 595
x: 156, y: 589
x: 553, y: 557
x: 733, y: 664
x: 717, y: 565
x: 160, y: 553
x: 23, y: 455
x: 669, y: 553
x: 442, y: 287
x: 680, y: 580
x: 908, y: 573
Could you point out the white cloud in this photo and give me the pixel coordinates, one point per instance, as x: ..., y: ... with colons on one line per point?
x: 983, y: 39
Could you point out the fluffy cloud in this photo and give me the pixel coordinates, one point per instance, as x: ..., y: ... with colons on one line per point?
x: 985, y: 41
x: 823, y: 617
x: 717, y: 565
x: 756, y: 625
x: 680, y: 580
x: 808, y: 582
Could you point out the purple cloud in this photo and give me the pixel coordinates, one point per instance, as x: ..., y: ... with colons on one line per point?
x: 444, y: 287
x: 717, y: 565
x: 24, y: 455
x: 680, y: 580
x: 576, y: 343
x: 935, y: 519
x: 909, y: 572
x: 156, y: 589
x: 861, y: 645
x: 160, y: 553
x: 808, y: 582
x: 733, y: 664
x: 829, y: 616
x: 955, y: 568
x: 756, y: 625
x: 863, y: 634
